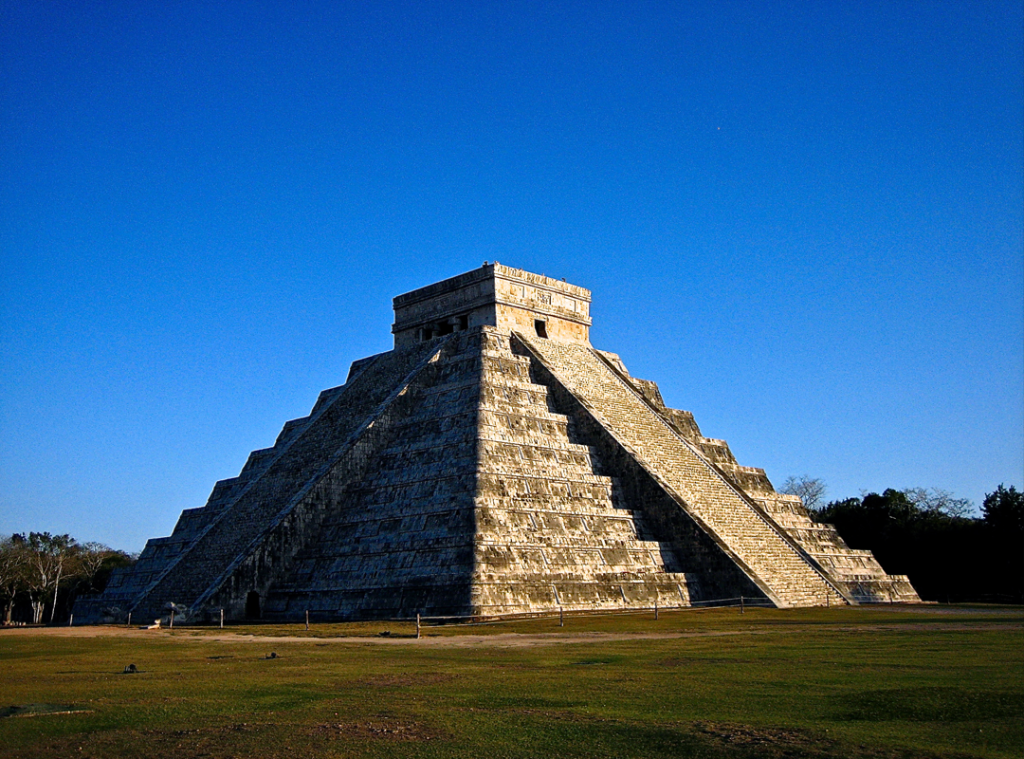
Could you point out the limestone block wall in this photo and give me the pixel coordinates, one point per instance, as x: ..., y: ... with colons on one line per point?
x: 522, y: 298
x: 496, y: 296
x: 470, y: 295
x: 564, y: 330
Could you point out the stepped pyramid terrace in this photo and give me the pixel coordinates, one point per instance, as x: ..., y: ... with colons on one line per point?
x: 493, y: 463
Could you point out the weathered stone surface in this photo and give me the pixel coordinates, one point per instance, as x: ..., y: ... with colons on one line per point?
x: 493, y: 463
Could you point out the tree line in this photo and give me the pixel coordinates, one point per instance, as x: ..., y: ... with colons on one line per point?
x: 41, y: 575
x: 948, y: 551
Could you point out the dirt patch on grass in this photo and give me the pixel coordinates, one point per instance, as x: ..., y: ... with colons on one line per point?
x: 383, y: 728
x: 791, y: 743
x: 405, y: 681
x: 253, y: 741
x: 285, y: 740
x: 777, y: 739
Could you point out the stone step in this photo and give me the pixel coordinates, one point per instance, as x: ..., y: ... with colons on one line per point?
x: 514, y: 416
x: 555, y: 444
x: 578, y: 505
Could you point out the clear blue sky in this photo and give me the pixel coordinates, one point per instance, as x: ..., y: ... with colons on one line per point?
x: 804, y: 220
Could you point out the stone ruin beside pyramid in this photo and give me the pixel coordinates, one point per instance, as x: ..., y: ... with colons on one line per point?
x: 492, y: 464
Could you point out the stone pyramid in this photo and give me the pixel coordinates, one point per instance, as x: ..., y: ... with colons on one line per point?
x: 493, y: 463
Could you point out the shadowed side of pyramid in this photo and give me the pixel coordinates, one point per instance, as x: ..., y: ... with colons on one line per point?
x: 401, y: 540
x: 229, y: 553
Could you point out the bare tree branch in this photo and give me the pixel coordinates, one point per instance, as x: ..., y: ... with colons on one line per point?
x: 810, y: 489
x: 938, y: 501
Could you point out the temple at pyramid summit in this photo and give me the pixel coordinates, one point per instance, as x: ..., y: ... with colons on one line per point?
x: 493, y: 463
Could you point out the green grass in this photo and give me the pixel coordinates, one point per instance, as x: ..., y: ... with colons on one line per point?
x: 876, y: 682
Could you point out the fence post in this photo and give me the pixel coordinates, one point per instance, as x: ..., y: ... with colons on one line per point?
x: 561, y: 616
x: 742, y: 610
x: 172, y: 618
x: 71, y: 621
x: 222, y: 618
x: 129, y: 619
x: 655, y: 609
x: 417, y: 625
x: 307, y: 619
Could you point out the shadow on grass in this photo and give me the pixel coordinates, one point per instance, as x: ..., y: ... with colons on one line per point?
x: 936, y: 704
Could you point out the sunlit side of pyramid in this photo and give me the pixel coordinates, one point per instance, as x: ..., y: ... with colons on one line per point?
x: 493, y: 463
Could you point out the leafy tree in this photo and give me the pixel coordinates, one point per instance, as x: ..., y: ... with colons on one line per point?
x: 1004, y: 519
x: 810, y: 489
x: 13, y: 566
x: 43, y: 569
x: 90, y: 570
x: 48, y: 556
x: 926, y: 533
x: 1004, y: 510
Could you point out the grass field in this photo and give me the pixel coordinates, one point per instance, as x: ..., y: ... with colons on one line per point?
x: 862, y: 682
